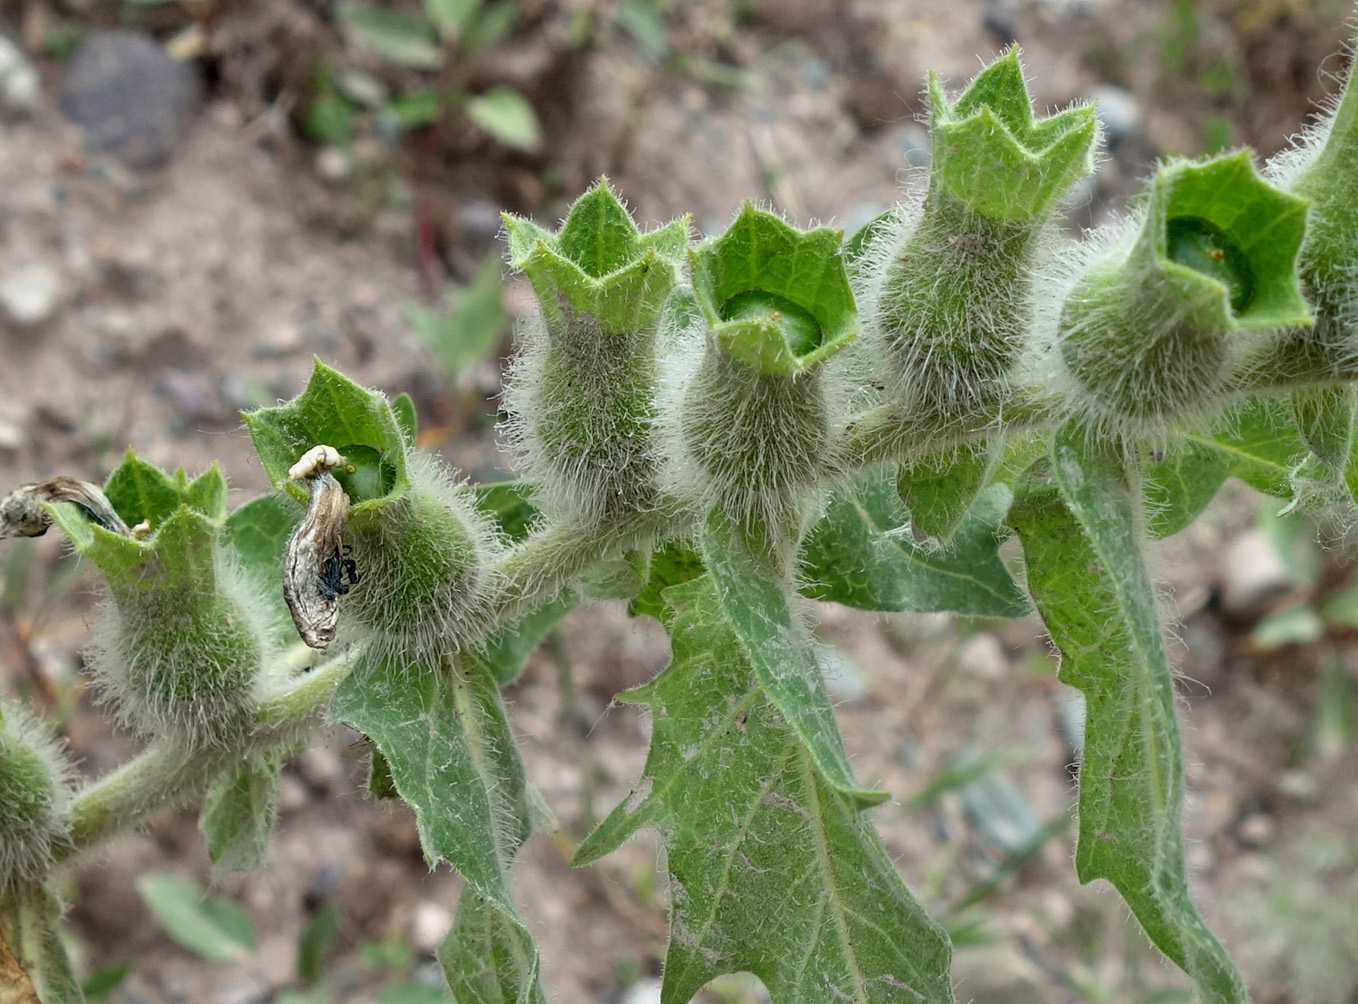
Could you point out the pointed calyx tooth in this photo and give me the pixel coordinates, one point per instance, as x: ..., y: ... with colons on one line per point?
x: 316, y: 568
x: 22, y: 513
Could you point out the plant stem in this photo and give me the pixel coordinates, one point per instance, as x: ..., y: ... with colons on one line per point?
x: 165, y: 774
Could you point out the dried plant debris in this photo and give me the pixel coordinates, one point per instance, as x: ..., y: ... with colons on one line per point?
x: 317, y: 569
x: 22, y: 513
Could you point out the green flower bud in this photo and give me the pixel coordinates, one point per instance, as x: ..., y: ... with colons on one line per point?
x: 34, y: 792
x: 582, y: 391
x: 1158, y: 321
x: 753, y: 419
x: 426, y: 560
x: 951, y: 285
x: 182, y: 640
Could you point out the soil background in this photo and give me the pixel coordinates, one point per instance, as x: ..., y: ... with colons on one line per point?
x: 166, y: 292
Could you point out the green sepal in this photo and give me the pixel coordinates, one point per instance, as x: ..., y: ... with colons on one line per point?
x: 511, y: 503
x: 1078, y: 522
x: 239, y: 814
x: 754, y: 603
x: 141, y: 492
x: 861, y: 554
x: 1259, y: 230
x: 994, y: 157
x: 599, y: 262
x: 939, y: 490
x: 177, y: 558
x: 333, y: 410
x: 775, y: 869
x: 1324, y: 417
x: 760, y: 255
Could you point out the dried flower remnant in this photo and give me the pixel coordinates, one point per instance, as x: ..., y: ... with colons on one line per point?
x: 316, y: 568
x: 22, y: 514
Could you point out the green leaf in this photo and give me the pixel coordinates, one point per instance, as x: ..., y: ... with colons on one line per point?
x: 1179, y: 482
x: 993, y: 156
x: 1296, y: 625
x: 30, y: 937
x: 489, y: 955
x: 316, y: 943
x: 671, y: 563
x: 141, y: 492
x: 862, y: 239
x: 506, y: 115
x: 861, y: 554
x: 106, y: 979
x: 776, y: 870
x: 335, y: 411
x: 415, y: 109
x: 600, y: 262
x: 511, y: 503
x: 641, y: 20
x: 402, y: 38
x: 413, y: 992
x: 330, y: 119
x: 1263, y: 445
x: 776, y: 298
x: 450, y: 17
x: 453, y: 759
x: 505, y: 653
x: 491, y: 27
x: 258, y: 532
x: 239, y: 815
x: 755, y: 609
x: 215, y: 928
x: 1089, y: 579
x: 473, y: 328
x: 380, y: 783
x: 940, y: 490
x: 1324, y: 417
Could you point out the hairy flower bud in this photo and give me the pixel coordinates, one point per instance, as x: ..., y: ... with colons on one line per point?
x: 34, y: 791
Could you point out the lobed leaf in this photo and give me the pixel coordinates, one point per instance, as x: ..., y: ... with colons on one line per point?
x: 776, y: 870
x: 861, y: 554
x: 489, y: 956
x: 754, y: 607
x: 940, y: 490
x: 239, y: 814
x: 1090, y: 583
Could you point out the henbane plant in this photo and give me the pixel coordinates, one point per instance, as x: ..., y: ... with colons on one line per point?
x: 722, y: 433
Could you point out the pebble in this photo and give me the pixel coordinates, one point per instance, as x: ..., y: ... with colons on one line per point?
x: 29, y: 293
x: 129, y: 95
x: 333, y: 164
x: 430, y: 923
x: 19, y: 82
x: 1252, y: 574
x: 11, y: 435
x: 644, y: 991
x: 983, y: 656
x: 1256, y: 830
x: 1117, y: 111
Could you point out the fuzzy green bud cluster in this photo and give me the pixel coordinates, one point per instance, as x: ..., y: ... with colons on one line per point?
x: 182, y: 641
x: 752, y: 422
x: 582, y: 393
x: 1160, y: 319
x: 34, y: 792
x: 949, y: 284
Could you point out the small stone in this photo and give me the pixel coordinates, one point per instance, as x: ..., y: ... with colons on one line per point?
x: 333, y: 164
x: 279, y: 340
x: 1117, y: 112
x: 1256, y: 830
x: 983, y: 656
x: 29, y: 294
x: 11, y: 435
x: 19, y: 82
x: 430, y: 923
x: 1252, y: 574
x: 644, y: 991
x: 129, y: 95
